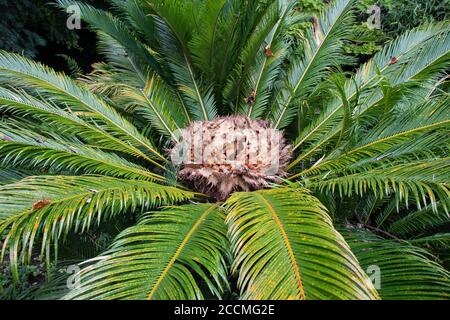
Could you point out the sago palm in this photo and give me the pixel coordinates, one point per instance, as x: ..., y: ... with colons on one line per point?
x: 361, y: 188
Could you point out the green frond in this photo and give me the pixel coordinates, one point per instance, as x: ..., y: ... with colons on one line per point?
x: 136, y: 14
x: 104, y: 80
x: 122, y: 68
x: 174, y: 44
x: 164, y: 256
x: 266, y: 67
x: 252, y: 57
x: 10, y: 174
x: 413, y: 130
x: 238, y: 22
x: 322, y: 50
x: 26, y: 149
x: 180, y: 15
x: 437, y: 240
x: 407, y: 49
x: 46, y: 208
x: 423, y: 66
x: 136, y: 53
x: 285, y: 247
x: 425, y: 181
x: 21, y: 104
x: 204, y: 39
x: 157, y: 104
x: 24, y: 73
x: 405, y: 271
x: 419, y: 221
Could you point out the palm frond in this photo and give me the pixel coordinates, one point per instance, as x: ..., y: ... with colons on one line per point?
x: 122, y: 68
x: 241, y: 22
x: 285, y: 247
x: 164, y: 254
x: 419, y: 221
x: 408, y: 133
x: 106, y: 23
x: 22, y: 72
x: 322, y: 51
x: 363, y: 86
x: 47, y: 208
x: 266, y: 67
x: 437, y: 240
x: 157, y: 104
x: 174, y: 38
x: 136, y: 14
x: 241, y: 82
x: 9, y: 175
x: 21, y: 104
x: 405, y: 271
x: 205, y: 36
x: 27, y: 149
x: 425, y: 181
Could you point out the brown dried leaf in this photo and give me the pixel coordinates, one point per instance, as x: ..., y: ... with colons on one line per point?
x: 41, y: 204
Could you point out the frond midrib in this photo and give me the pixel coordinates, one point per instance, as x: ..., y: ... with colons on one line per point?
x: 189, y: 66
x: 179, y: 250
x: 71, y: 197
x: 158, y: 115
x: 312, y: 60
x: 362, y: 87
x: 55, y: 87
x: 287, y: 244
x: 399, y: 134
x: 138, y: 171
x: 80, y: 123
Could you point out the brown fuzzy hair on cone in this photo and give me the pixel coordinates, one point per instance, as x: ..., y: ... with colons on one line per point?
x: 231, y: 154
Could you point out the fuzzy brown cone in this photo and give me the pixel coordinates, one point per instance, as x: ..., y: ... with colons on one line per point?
x: 232, y: 154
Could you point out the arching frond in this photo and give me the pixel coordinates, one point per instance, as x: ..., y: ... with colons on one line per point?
x: 423, y: 66
x: 322, y: 51
x: 122, y: 68
x: 136, y: 53
x: 239, y: 31
x: 419, y: 221
x: 408, y: 49
x: 242, y: 81
x: 161, y: 258
x: 394, y: 138
x: 174, y: 44
x: 206, y: 35
x: 285, y: 247
x: 266, y: 67
x: 104, y: 80
x: 22, y: 72
x: 10, y: 175
x: 157, y: 104
x: 21, y: 104
x: 401, y: 270
x: 28, y: 149
x: 425, y: 181
x: 49, y: 207
x: 136, y: 13
x: 437, y: 240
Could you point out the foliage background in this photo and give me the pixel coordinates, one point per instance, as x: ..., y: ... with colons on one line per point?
x: 33, y: 28
x: 36, y: 29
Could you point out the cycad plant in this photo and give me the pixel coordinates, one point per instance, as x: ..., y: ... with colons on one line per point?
x: 357, y: 208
